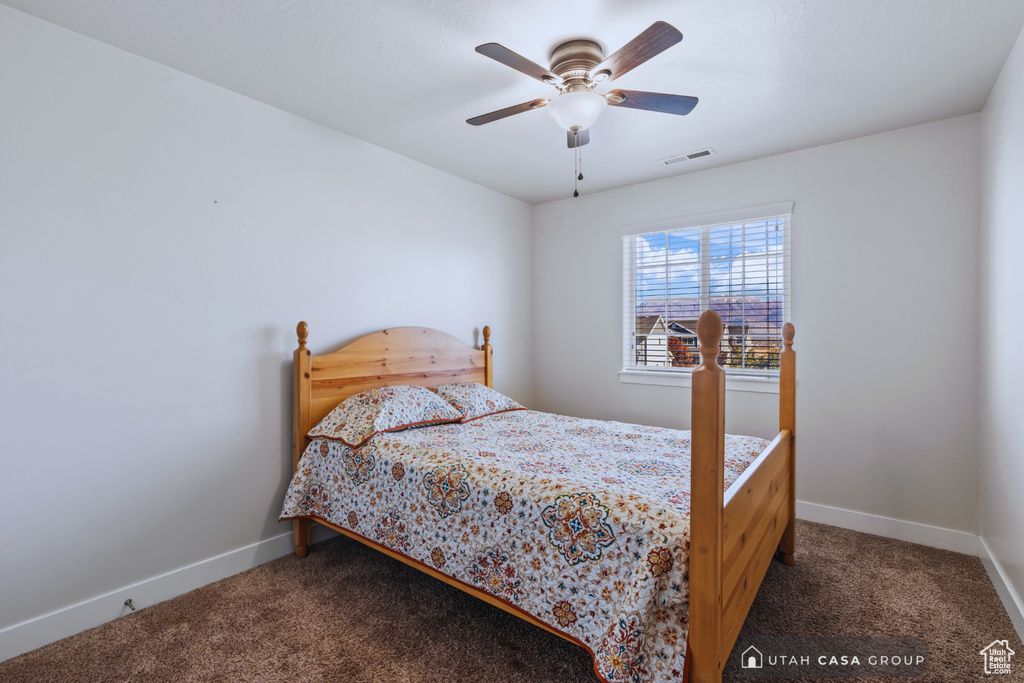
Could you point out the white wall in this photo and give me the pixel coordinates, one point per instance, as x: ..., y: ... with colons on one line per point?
x: 159, y: 239
x: 1002, y: 283
x: 885, y: 272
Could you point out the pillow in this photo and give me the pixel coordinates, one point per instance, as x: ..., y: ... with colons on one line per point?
x: 386, y: 409
x: 474, y: 400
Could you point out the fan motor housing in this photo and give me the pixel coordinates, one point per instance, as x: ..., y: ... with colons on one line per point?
x: 575, y: 58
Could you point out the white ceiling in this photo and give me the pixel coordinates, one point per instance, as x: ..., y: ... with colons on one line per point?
x: 772, y: 75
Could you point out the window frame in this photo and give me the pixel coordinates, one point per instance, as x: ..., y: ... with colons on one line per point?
x: 737, y: 379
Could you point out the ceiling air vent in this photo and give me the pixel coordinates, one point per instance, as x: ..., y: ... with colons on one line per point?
x: 689, y: 156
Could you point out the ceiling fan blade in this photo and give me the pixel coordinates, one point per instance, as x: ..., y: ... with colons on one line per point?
x: 657, y: 38
x: 575, y: 141
x: 507, y: 111
x: 652, y: 101
x: 500, y: 53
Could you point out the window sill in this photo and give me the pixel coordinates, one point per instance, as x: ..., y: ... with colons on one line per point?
x: 760, y: 385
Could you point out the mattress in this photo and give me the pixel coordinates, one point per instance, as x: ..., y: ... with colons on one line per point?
x: 582, y: 524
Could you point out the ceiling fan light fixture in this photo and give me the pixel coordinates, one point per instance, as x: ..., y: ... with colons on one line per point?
x: 577, y: 109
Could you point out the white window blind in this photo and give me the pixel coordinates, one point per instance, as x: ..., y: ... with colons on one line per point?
x: 735, y: 263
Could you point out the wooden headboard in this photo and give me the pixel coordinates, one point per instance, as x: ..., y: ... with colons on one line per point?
x: 400, y: 355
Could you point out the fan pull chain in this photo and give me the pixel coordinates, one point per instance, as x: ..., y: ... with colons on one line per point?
x: 578, y: 167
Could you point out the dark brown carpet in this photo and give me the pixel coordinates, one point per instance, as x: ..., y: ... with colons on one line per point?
x: 348, y: 613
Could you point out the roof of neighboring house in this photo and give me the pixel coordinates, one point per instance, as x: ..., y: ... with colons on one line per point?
x: 645, y: 324
x: 686, y: 327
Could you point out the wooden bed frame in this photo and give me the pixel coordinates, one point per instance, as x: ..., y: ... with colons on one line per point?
x: 733, y: 535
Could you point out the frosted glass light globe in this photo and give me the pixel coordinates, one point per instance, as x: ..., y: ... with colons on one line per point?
x: 574, y: 109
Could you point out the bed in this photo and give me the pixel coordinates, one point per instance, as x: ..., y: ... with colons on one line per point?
x: 603, y: 533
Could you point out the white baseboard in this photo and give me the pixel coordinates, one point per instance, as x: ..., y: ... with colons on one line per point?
x: 1009, y: 597
x: 924, y: 534
x: 36, y: 632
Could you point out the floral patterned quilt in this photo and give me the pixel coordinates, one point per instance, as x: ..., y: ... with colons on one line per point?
x: 583, y: 524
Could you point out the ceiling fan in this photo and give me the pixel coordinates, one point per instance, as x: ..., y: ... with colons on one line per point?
x: 577, y: 66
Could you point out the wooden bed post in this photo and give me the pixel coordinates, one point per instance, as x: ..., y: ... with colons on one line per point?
x: 300, y: 426
x: 488, y: 358
x: 707, y: 482
x: 787, y: 421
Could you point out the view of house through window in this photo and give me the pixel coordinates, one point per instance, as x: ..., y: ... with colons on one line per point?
x: 738, y: 269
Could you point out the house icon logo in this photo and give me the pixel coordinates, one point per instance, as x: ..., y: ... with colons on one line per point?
x: 997, y: 657
x: 751, y: 658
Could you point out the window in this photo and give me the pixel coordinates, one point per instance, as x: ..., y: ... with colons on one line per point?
x: 735, y: 263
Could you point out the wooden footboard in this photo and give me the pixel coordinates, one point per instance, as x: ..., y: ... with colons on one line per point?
x: 733, y: 534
